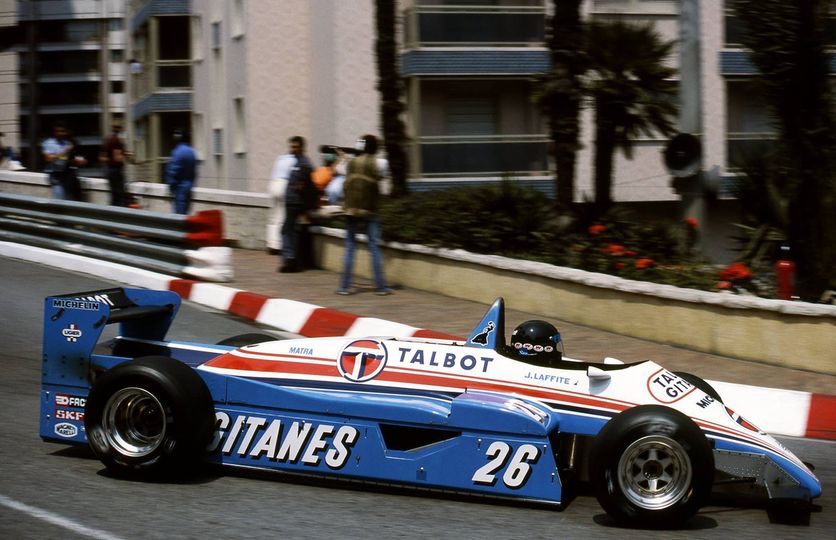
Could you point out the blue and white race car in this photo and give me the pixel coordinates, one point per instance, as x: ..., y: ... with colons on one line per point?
x: 478, y: 416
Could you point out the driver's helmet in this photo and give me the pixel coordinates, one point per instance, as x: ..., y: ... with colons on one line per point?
x: 535, y: 337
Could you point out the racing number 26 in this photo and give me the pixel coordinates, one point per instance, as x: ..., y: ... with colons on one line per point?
x: 518, y: 468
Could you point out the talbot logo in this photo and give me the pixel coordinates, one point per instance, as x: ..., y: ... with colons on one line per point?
x: 362, y: 360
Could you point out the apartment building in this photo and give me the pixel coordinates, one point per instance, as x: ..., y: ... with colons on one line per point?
x: 468, y: 68
x: 245, y: 76
x: 71, y: 67
x: 9, y: 90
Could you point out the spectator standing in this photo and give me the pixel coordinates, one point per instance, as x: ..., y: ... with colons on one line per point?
x: 364, y: 183
x: 72, y: 182
x: 300, y: 198
x: 113, y: 156
x: 277, y: 188
x: 57, y: 152
x: 181, y: 172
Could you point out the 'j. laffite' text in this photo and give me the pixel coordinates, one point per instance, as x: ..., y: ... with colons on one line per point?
x: 440, y: 359
x: 284, y: 441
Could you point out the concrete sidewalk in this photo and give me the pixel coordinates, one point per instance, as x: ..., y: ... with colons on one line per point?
x: 255, y: 271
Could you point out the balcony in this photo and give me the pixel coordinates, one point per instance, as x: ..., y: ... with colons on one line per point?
x: 510, y: 23
x: 163, y: 75
x: 483, y: 156
x: 742, y: 147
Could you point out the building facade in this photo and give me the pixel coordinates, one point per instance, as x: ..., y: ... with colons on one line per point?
x: 9, y: 89
x: 71, y: 68
x: 468, y: 68
x: 251, y: 78
x: 243, y: 76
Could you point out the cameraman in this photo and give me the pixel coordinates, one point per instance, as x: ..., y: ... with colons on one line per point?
x: 366, y: 179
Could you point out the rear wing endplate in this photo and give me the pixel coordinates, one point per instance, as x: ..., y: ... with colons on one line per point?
x: 73, y: 323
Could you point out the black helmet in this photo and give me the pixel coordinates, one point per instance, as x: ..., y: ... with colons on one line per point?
x: 533, y: 338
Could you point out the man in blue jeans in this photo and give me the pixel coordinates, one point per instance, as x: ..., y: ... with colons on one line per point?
x: 181, y: 172
x: 362, y: 191
x: 57, y: 151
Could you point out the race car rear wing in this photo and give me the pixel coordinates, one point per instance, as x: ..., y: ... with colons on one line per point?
x: 73, y: 324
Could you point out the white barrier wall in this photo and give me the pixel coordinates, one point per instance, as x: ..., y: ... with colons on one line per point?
x: 797, y: 335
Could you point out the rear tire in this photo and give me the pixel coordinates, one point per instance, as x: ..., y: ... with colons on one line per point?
x: 148, y: 416
x: 651, y: 466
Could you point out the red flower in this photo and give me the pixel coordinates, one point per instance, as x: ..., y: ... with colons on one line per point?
x: 597, y: 229
x: 616, y: 250
x: 724, y: 285
x: 630, y: 253
x: 692, y: 222
x: 736, y: 271
x: 620, y: 265
x: 645, y: 263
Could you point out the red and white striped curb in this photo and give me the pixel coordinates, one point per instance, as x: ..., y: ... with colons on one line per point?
x: 776, y: 411
x: 307, y: 320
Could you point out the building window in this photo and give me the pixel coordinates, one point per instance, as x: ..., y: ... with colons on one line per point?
x: 216, y: 36
x: 197, y: 38
x: 749, y: 128
x: 198, y: 136
x: 173, y: 40
x: 117, y: 87
x: 471, y: 116
x: 239, y: 136
x: 218, y: 142
x: 237, y: 23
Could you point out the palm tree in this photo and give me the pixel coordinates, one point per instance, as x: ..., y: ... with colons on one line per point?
x: 787, y: 43
x: 559, y: 94
x: 630, y: 88
x: 389, y: 85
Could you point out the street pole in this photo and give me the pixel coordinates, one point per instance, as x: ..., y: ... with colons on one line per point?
x: 690, y: 111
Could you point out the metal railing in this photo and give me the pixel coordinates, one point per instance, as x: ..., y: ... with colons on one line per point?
x: 519, y: 23
x: 173, y: 244
x: 499, y: 155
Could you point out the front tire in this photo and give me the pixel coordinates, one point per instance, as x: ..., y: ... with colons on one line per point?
x: 148, y: 416
x: 651, y: 466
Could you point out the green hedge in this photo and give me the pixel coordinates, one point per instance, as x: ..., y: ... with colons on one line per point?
x: 509, y: 220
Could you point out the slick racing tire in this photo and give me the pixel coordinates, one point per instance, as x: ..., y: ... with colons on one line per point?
x: 699, y: 383
x: 149, y: 416
x: 651, y: 466
x: 242, y: 340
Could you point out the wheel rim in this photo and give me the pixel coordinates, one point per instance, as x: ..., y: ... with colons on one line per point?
x: 655, y: 472
x: 134, y: 422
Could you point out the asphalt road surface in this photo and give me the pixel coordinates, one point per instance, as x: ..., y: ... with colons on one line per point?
x: 53, y: 491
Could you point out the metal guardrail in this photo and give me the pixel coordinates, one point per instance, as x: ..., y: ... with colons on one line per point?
x: 185, y: 246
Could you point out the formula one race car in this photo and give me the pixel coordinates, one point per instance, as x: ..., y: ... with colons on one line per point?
x: 475, y: 416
